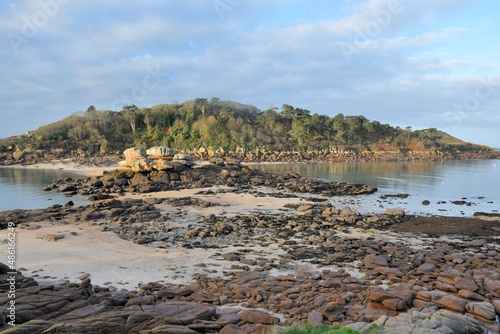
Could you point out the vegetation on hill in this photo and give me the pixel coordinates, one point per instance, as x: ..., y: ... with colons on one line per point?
x: 212, y: 123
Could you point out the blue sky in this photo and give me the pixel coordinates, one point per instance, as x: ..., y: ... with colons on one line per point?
x: 419, y: 63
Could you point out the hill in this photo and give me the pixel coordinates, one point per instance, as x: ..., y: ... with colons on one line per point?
x: 228, y: 125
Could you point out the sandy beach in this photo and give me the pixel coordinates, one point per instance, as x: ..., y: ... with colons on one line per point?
x: 68, y: 166
x: 110, y: 260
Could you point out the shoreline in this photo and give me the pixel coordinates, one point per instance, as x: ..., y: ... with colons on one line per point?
x: 368, y: 204
x: 120, y: 262
x: 257, y: 156
x: 40, y: 248
x: 65, y: 165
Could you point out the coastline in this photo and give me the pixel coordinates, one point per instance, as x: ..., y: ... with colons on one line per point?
x: 367, y: 205
x: 119, y: 262
x: 65, y: 165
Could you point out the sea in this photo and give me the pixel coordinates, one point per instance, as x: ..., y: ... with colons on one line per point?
x: 22, y: 188
x: 457, y: 188
x: 451, y: 188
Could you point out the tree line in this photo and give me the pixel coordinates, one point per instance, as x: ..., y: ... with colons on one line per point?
x: 212, y: 123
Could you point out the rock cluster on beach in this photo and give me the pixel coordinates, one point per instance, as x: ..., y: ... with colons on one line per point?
x: 310, y: 262
x: 63, y: 307
x: 158, y: 158
x: 144, y: 175
x: 260, y: 155
x: 13, y: 155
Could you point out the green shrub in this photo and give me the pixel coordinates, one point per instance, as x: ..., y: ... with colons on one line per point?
x: 324, y: 329
x: 320, y: 329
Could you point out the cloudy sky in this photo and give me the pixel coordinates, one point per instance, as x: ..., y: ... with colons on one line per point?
x: 419, y: 63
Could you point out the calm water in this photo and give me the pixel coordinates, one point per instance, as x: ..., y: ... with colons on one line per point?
x: 21, y: 188
x: 476, y: 182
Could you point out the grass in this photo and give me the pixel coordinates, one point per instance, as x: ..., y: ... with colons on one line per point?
x: 320, y: 329
x: 324, y: 329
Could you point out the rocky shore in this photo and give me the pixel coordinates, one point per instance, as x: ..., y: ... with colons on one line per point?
x: 9, y: 157
x: 259, y: 251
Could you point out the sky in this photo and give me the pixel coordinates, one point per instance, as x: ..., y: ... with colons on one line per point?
x: 418, y: 63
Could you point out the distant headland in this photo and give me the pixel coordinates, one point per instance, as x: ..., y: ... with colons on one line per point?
x: 211, y: 127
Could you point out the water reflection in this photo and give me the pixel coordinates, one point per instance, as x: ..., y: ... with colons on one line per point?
x: 436, y: 181
x: 22, y: 188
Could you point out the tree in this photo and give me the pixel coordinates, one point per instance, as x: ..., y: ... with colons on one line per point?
x: 369, y: 128
x: 291, y: 112
x: 267, y: 119
x: 408, y: 133
x: 130, y: 113
x: 148, y: 119
x: 355, y: 134
x: 78, y: 133
x: 214, y: 101
x: 340, y: 128
x: 91, y: 108
x: 201, y: 104
x: 300, y: 131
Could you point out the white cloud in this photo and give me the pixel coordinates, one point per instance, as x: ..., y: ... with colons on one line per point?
x: 260, y: 53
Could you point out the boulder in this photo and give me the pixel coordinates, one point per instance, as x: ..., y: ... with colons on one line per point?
x: 439, y: 322
x: 162, y: 165
x: 466, y: 294
x: 184, y: 159
x: 232, y: 329
x: 454, y: 303
x: 483, y: 310
x: 125, y: 164
x: 373, y: 311
x: 108, y: 322
x: 465, y: 283
x: 389, y: 271
x: 142, y: 165
x: 53, y: 237
x: 427, y: 267
x: 68, y: 187
x: 395, y: 212
x: 330, y: 283
x: 172, y: 329
x: 173, y: 292
x: 492, y: 286
x: 30, y: 327
x: 259, y: 317
x: 232, y: 162
x: 84, y: 312
x: 457, y: 323
x: 183, y: 156
x: 496, y: 303
x: 160, y: 152
x: 373, y: 261
x: 180, y: 313
x: 397, y: 297
x: 228, y: 319
x: 135, y: 153
x: 141, y: 300
x: 18, y: 155
x: 315, y: 318
x: 332, y: 311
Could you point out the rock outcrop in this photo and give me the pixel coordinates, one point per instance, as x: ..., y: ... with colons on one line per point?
x: 65, y: 307
x: 158, y: 158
